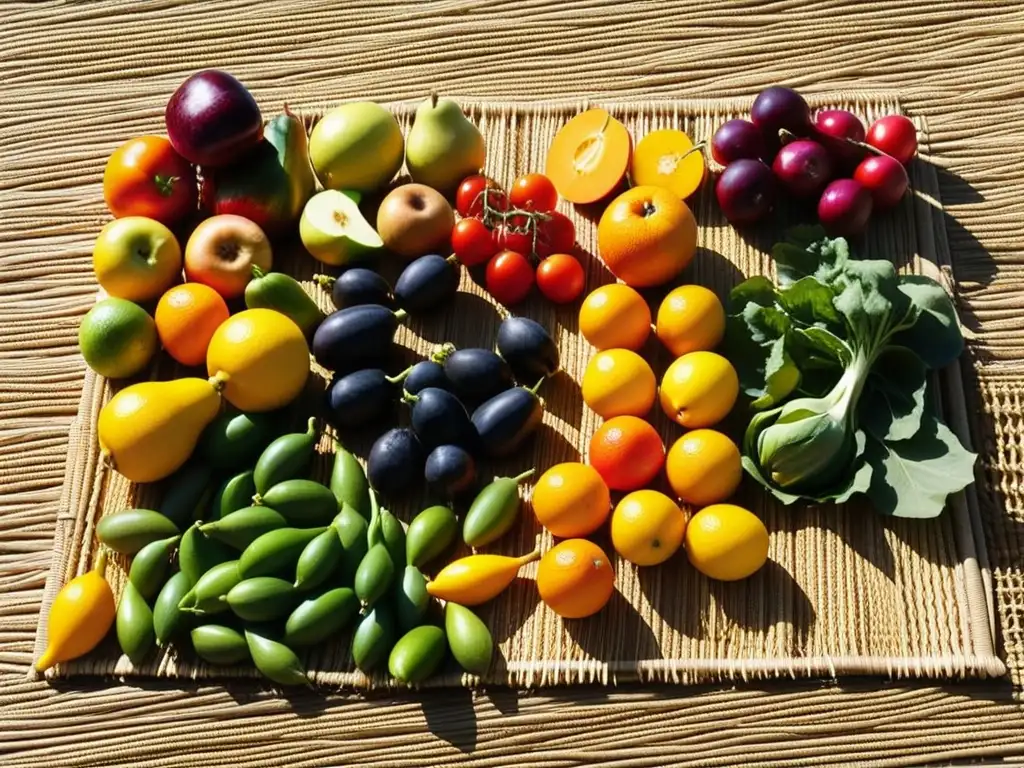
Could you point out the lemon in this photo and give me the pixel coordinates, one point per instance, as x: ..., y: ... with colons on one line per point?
x: 261, y: 358
x: 699, y: 389
x: 726, y: 542
x: 618, y: 382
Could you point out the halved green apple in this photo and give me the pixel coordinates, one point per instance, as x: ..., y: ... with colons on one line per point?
x: 334, y: 230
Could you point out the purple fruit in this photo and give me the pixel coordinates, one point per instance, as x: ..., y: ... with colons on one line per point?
x: 746, y: 191
x: 212, y: 119
x: 845, y: 207
x: 803, y: 167
x: 737, y: 140
x: 779, y: 108
x: 839, y: 123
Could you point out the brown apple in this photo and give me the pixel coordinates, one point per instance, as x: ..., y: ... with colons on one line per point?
x: 414, y: 220
x: 222, y: 252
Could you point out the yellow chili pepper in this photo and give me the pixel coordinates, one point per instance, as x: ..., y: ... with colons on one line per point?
x: 477, y: 578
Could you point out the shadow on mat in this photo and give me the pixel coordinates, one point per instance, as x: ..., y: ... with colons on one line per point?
x: 623, y: 634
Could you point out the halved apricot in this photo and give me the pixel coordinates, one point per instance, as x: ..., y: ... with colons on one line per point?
x: 589, y: 156
x: 668, y: 159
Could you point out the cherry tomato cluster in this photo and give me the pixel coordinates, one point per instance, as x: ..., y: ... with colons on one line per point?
x: 513, y: 231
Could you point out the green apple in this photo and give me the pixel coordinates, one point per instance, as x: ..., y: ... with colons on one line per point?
x: 334, y: 230
x: 444, y: 147
x: 136, y: 258
x: 356, y: 146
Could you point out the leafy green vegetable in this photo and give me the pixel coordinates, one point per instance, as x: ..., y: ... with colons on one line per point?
x: 836, y: 359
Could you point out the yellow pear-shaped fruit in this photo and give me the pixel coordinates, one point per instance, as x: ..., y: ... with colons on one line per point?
x: 149, y: 430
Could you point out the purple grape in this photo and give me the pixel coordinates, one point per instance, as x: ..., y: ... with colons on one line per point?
x: 737, y: 140
x: 779, y: 108
x: 845, y: 207
x: 746, y: 191
x: 803, y: 167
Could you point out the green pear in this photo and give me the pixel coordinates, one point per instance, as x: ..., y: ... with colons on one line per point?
x: 356, y: 146
x: 334, y: 230
x: 443, y: 146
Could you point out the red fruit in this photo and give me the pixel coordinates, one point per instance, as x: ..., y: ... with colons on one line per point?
x: 803, y: 167
x: 885, y: 178
x: 737, y: 140
x: 212, y: 119
x: 515, y: 236
x: 839, y: 123
x: 746, y: 191
x: 509, y: 277
x: 560, y: 278
x: 844, y: 208
x: 472, y: 242
x: 469, y: 200
x: 895, y: 135
x: 533, y: 192
x: 556, y: 235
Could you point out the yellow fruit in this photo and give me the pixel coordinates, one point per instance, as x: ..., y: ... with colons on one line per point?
x: 703, y: 467
x: 149, y: 430
x: 647, y: 527
x: 690, y: 318
x: 615, y: 317
x: 699, y: 389
x: 571, y: 500
x: 262, y: 359
x: 619, y: 382
x: 726, y: 542
x: 476, y: 579
x: 136, y: 258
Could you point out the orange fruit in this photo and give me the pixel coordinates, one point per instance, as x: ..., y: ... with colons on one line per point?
x: 703, y: 467
x: 699, y: 389
x: 627, y: 452
x: 575, y: 579
x: 647, y: 236
x: 571, y: 500
x: 647, y: 527
x: 691, y: 318
x: 615, y: 317
x: 187, y: 316
x: 589, y: 156
x: 726, y: 542
x: 667, y: 158
x: 619, y: 382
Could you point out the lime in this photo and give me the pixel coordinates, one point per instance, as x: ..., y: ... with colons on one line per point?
x: 118, y: 338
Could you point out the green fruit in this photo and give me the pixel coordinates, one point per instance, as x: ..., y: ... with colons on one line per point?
x: 356, y: 146
x: 275, y: 551
x: 233, y: 441
x: 469, y: 638
x: 135, y: 632
x: 351, y: 528
x: 218, y: 644
x: 334, y: 230
x: 236, y: 493
x: 275, y: 660
x: 262, y: 598
x: 283, y: 293
x: 168, y: 619
x: 149, y: 567
x: 410, y: 598
x: 443, y: 147
x: 288, y: 457
x: 320, y: 616
x: 319, y: 560
x: 242, y: 527
x: 118, y: 338
x: 374, y: 574
x: 197, y: 554
x: 394, y: 537
x: 186, y: 494
x: 418, y: 654
x: 493, y: 511
x: 348, y: 482
x: 130, y: 530
x: 374, y: 637
x: 207, y: 596
x: 430, y: 533
x: 300, y: 502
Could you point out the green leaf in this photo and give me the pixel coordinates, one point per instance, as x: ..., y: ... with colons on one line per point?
x: 748, y: 357
x: 936, y: 336
x: 765, y: 324
x: 894, y: 396
x: 913, y: 478
x: 781, y: 377
x: 817, y: 348
x: 757, y: 290
x: 810, y: 302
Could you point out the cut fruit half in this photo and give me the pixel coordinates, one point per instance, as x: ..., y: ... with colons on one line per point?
x: 589, y: 156
x: 334, y: 230
x: 668, y: 159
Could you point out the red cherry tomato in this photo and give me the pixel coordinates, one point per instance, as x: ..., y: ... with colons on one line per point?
x: 509, y: 277
x: 472, y: 242
x: 146, y: 177
x: 895, y: 135
x: 884, y: 178
x: 533, y: 192
x: 469, y: 200
x: 560, y: 278
x: 556, y: 235
x: 514, y: 238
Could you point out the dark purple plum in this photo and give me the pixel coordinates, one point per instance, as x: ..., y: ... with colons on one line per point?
x: 844, y: 208
x: 357, y: 286
x: 212, y: 119
x: 450, y: 469
x: 779, y: 108
x: 803, y: 168
x: 737, y: 140
x: 746, y: 191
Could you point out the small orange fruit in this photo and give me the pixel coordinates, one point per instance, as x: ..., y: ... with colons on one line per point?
x: 647, y: 527
x: 726, y: 542
x: 619, y: 382
x: 647, y: 236
x: 571, y: 500
x: 575, y: 579
x: 690, y: 318
x: 699, y: 389
x: 703, y: 467
x: 667, y: 158
x: 615, y: 316
x: 187, y: 316
x: 627, y: 452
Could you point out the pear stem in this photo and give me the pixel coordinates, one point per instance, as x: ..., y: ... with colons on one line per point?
x: 101, y: 562
x: 433, y: 99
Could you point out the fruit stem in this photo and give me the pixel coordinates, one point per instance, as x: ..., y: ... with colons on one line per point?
x: 101, y: 562
x: 453, y: 259
x: 536, y: 386
x: 219, y: 380
x: 433, y: 99
x: 205, y: 527
x: 324, y: 281
x: 257, y: 501
x: 398, y: 377
x: 257, y: 273
x: 442, y: 352
x: 288, y: 111
x: 410, y: 399
x: 400, y: 314
x: 525, y: 559
x: 311, y: 426
x: 523, y: 475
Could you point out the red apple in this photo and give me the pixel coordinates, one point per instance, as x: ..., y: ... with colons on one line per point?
x: 212, y: 119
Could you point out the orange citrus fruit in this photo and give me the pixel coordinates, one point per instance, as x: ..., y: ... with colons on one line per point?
x: 575, y: 579
x: 186, y: 317
x: 690, y: 318
x: 619, y: 382
x: 726, y: 542
x: 647, y: 527
x: 627, y: 452
x: 699, y: 389
x: 615, y: 316
x: 703, y: 467
x: 571, y: 500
